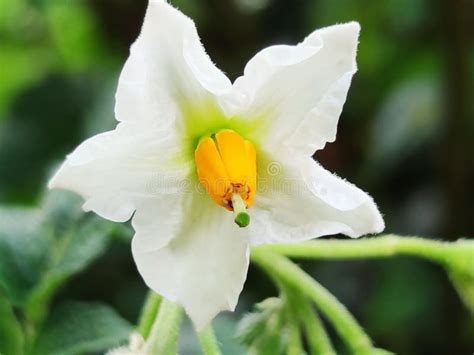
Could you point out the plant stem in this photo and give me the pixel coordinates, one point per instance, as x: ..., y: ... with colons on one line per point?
x: 348, y: 328
x: 208, y: 341
x: 318, y: 339
x: 163, y: 338
x: 295, y: 346
x: 300, y: 312
x: 291, y: 299
x: 379, y: 247
x: 149, y: 313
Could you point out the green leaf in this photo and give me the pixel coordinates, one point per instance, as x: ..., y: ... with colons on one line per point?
x: 11, y: 336
x: 261, y: 330
x: 40, y: 249
x: 85, y: 244
x: 77, y: 327
x: 267, y: 316
x: 61, y: 209
x: 77, y: 240
x: 22, y: 253
x: 76, y: 35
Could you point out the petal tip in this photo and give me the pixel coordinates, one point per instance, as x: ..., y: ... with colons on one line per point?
x: 354, y: 25
x: 51, y: 183
x: 54, y: 182
x: 379, y: 224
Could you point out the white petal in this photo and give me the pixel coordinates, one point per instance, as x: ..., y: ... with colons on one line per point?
x: 204, y: 267
x: 158, y: 220
x: 167, y: 63
x: 304, y: 201
x: 300, y: 89
x: 114, y: 171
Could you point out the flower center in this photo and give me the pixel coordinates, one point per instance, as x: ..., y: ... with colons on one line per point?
x: 227, y: 167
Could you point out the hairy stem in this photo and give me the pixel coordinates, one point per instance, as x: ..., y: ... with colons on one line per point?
x: 163, y: 338
x: 379, y: 247
x: 208, y: 342
x: 318, y: 339
x: 347, y: 327
x: 295, y: 346
x: 149, y: 313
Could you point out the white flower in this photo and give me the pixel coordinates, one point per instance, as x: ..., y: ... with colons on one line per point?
x: 181, y: 118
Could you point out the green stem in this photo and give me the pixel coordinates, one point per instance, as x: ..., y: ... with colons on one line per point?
x: 348, y: 328
x: 295, y: 346
x: 301, y: 313
x: 383, y: 246
x: 318, y: 339
x: 149, y: 313
x: 291, y: 299
x: 163, y: 338
x: 208, y: 342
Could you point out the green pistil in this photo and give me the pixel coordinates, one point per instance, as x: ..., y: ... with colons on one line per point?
x: 242, y: 218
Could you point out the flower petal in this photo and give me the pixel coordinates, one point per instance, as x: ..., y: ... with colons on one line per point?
x: 204, y: 267
x: 167, y: 63
x: 301, y: 89
x: 114, y: 171
x: 157, y: 220
x: 305, y: 201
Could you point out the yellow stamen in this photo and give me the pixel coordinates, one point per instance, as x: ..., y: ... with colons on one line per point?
x: 227, y: 166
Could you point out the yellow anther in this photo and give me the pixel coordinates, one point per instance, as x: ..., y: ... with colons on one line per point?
x: 226, y: 165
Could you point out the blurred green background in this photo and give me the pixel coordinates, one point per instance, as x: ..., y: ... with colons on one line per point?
x: 406, y: 135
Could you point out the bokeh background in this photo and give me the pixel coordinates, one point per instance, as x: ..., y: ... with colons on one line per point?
x: 406, y: 135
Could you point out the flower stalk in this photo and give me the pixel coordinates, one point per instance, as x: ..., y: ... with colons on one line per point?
x: 163, y: 338
x: 208, y: 342
x: 346, y: 325
x: 318, y: 339
x: 458, y: 254
x: 301, y: 314
x: 149, y: 313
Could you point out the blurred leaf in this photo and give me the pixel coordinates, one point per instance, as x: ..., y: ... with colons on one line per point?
x: 11, y: 336
x: 261, y: 330
x: 77, y: 240
x: 41, y: 248
x: 62, y: 209
x: 75, y: 34
x: 22, y: 252
x: 83, y: 246
x: 79, y: 237
x: 25, y: 66
x: 78, y: 327
x: 44, y: 124
x: 23, y: 58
